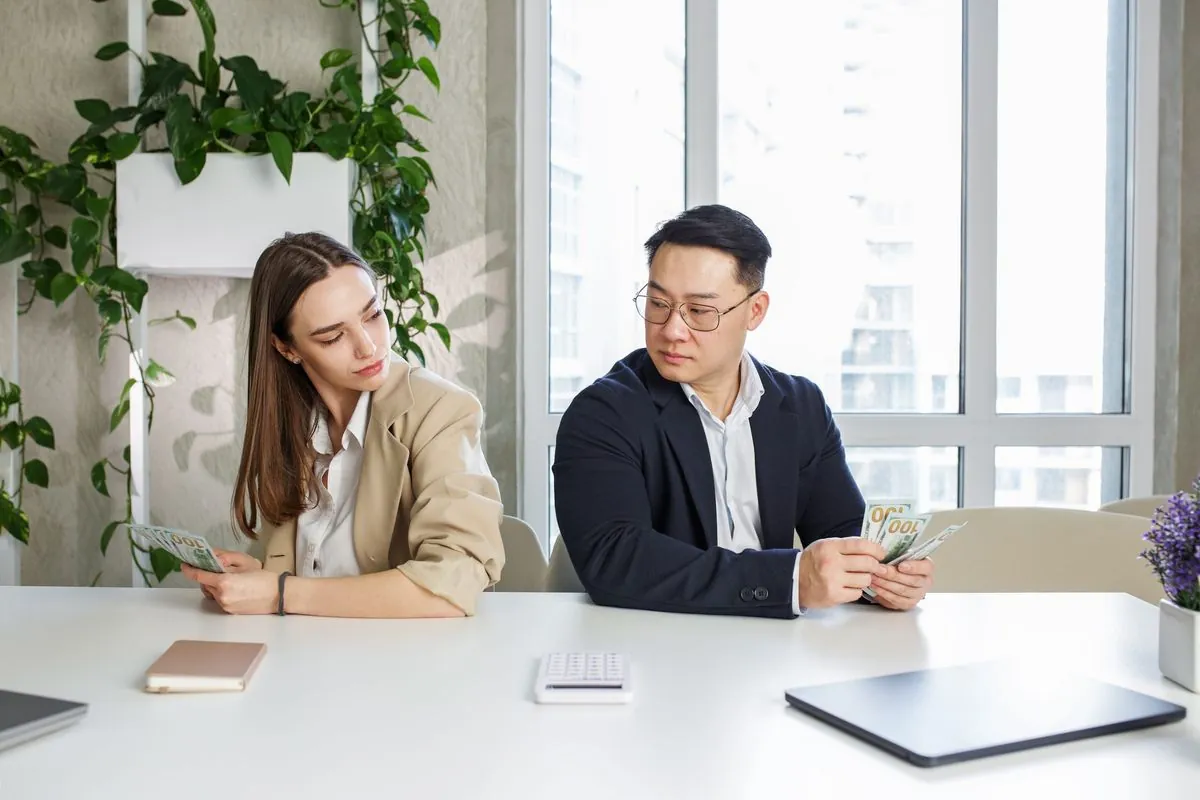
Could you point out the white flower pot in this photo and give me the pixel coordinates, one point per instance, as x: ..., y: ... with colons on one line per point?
x: 1179, y: 644
x: 219, y: 223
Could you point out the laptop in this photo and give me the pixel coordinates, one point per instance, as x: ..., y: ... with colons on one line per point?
x: 941, y: 716
x: 28, y: 716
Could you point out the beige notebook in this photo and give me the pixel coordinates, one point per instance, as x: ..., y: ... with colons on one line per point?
x: 199, y: 666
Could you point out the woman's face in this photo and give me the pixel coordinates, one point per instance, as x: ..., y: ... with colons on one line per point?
x: 339, y: 333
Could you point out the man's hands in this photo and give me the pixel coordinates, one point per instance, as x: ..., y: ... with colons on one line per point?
x: 903, y: 586
x: 835, y: 571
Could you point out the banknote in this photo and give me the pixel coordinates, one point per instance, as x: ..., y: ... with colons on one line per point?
x: 876, y: 513
x: 898, y: 532
x: 920, y: 550
x: 189, y: 548
x: 925, y: 549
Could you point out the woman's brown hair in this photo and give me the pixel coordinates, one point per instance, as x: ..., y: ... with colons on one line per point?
x: 277, y: 455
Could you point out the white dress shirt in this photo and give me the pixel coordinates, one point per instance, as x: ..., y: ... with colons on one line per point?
x: 324, y: 533
x: 735, y: 480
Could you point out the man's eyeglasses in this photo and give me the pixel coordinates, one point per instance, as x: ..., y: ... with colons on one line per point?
x: 697, y: 316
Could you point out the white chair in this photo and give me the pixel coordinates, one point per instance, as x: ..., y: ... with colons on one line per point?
x: 562, y: 576
x: 524, y: 563
x: 1043, y: 550
x: 1136, y: 506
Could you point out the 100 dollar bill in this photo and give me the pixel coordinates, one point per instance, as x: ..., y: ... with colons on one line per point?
x: 189, y: 548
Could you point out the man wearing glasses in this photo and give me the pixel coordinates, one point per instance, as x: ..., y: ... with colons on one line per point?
x: 681, y: 476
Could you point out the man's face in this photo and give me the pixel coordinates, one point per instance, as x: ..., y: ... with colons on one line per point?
x: 705, y: 281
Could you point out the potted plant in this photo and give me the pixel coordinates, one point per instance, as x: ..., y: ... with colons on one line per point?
x: 1174, y: 555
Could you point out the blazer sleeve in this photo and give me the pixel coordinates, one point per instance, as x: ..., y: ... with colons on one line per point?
x: 604, y: 518
x: 454, y: 527
x: 835, y: 506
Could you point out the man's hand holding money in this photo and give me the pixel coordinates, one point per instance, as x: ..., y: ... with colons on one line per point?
x: 835, y: 571
x: 901, y: 587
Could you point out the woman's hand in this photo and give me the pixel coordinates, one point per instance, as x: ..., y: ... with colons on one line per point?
x: 237, y: 561
x: 254, y: 591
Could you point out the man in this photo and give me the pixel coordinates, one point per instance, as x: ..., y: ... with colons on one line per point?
x: 681, y: 475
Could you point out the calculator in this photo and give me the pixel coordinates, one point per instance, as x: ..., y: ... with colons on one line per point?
x: 585, y: 677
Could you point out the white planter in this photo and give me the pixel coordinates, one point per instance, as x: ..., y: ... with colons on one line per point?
x: 1179, y: 644
x: 219, y: 223
x: 10, y: 560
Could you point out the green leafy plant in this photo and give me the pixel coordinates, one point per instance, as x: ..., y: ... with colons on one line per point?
x: 14, y: 435
x: 233, y: 105
x: 88, y: 239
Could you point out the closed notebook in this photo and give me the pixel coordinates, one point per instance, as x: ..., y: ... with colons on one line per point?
x: 202, y: 666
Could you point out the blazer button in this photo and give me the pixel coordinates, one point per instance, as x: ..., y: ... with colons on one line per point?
x: 746, y: 594
x: 761, y: 593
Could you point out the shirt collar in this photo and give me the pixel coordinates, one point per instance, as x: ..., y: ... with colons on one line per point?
x: 356, y: 428
x: 750, y: 391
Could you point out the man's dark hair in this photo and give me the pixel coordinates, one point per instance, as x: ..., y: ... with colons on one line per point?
x: 720, y: 228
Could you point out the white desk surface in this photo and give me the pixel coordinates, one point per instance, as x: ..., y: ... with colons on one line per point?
x: 444, y: 709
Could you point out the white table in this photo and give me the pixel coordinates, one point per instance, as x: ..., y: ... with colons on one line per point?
x: 443, y: 708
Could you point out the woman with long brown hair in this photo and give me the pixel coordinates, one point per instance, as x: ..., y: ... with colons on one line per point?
x: 364, y: 473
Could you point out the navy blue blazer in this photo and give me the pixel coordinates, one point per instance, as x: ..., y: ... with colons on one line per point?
x: 636, y: 506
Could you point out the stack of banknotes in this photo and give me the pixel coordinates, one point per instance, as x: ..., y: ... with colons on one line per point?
x: 895, y: 528
x: 187, y: 547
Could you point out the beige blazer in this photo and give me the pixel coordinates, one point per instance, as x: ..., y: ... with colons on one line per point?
x: 426, y: 503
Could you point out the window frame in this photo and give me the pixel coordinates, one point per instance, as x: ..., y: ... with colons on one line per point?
x: 978, y: 430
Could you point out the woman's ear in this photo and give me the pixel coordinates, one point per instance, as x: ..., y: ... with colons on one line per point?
x: 284, y: 350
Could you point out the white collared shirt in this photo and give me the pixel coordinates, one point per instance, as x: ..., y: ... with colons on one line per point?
x: 735, y: 479
x: 324, y: 533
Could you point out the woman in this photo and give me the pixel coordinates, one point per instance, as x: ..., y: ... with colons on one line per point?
x: 366, y: 472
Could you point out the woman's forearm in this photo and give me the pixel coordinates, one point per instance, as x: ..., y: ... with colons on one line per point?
x: 389, y: 594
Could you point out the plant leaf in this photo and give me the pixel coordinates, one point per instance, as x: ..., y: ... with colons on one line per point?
x: 110, y: 311
x: 281, y: 151
x: 93, y: 110
x: 335, y: 141
x: 83, y: 240
x: 38, y: 429
x: 16, y: 244
x: 167, y: 8
x: 106, y: 537
x: 56, y: 236
x: 97, y: 208
x: 27, y: 215
x: 123, y: 145
x: 102, y: 343
x: 254, y: 86
x: 112, y: 50
x: 64, y: 183
x: 36, y: 473
x: 119, y: 413
x: 415, y: 112
x: 62, y: 286
x: 13, y: 519
x: 210, y: 71
x: 426, y: 66
x: 157, y: 375
x: 443, y: 333
x: 12, y: 435
x: 336, y: 58
x: 188, y: 170
x: 100, y: 477
x: 163, y: 563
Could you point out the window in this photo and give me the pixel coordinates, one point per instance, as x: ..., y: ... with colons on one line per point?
x: 1062, y: 477
x: 877, y: 392
x: 959, y: 278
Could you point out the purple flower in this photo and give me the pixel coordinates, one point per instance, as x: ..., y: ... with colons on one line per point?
x: 1174, y: 551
